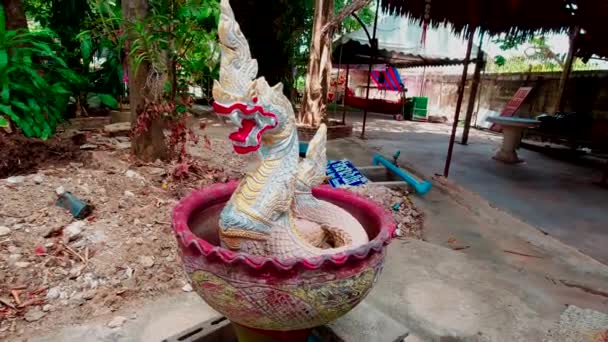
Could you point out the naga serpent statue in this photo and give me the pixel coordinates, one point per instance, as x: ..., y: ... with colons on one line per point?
x: 272, y: 212
x: 276, y: 252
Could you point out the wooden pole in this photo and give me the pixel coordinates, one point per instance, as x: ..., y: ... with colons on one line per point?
x: 463, y: 79
x: 479, y: 64
x: 561, y: 103
x: 421, y: 92
x: 345, y: 94
x: 374, y: 49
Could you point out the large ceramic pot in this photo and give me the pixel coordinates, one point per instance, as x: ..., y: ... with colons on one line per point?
x: 275, y: 294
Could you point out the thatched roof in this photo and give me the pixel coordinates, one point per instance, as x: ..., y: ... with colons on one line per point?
x: 493, y: 16
x: 522, y: 17
x: 591, y: 17
x: 399, y: 45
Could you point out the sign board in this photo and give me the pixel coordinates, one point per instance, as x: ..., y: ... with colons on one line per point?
x: 344, y: 173
x: 513, y: 105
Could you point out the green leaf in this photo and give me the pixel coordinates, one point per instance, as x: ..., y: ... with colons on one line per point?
x: 34, y: 107
x: 20, y: 105
x: 2, y: 21
x: 46, y: 132
x: 86, y: 47
x: 3, y: 122
x: 5, y: 94
x: 3, y: 59
x: 7, y: 110
x: 108, y: 100
x: 26, y: 128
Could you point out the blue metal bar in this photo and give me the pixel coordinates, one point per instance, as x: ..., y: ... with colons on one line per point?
x: 420, y: 187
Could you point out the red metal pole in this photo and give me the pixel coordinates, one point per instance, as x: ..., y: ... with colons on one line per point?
x: 374, y: 49
x: 463, y: 80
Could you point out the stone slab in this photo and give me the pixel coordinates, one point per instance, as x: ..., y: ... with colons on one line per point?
x: 118, y: 129
x: 366, y: 323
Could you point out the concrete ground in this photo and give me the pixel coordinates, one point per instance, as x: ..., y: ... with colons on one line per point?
x: 555, y: 196
x: 508, y: 281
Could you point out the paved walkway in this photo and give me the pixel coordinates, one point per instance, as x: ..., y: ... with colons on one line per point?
x: 556, y: 196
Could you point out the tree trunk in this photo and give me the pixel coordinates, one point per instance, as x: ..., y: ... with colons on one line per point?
x: 14, y: 14
x: 151, y: 144
x: 312, y: 110
x: 271, y: 46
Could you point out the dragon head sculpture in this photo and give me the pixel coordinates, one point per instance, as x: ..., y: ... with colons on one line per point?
x: 262, y: 114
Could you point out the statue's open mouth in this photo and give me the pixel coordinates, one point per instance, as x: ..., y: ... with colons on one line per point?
x: 251, y: 123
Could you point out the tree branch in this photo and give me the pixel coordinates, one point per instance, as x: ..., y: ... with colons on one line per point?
x: 351, y: 8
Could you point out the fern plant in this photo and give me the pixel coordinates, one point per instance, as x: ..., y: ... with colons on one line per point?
x: 34, y: 81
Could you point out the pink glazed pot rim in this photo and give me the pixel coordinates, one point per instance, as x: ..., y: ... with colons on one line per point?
x: 187, y: 240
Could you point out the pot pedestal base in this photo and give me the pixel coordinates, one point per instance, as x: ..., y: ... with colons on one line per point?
x: 220, y: 329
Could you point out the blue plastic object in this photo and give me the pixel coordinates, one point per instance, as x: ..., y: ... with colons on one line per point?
x: 78, y: 208
x: 420, y: 187
x: 303, y: 148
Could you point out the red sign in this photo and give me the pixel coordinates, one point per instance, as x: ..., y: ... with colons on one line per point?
x: 513, y: 105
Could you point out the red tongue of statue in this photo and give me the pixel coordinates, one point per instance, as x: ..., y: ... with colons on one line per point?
x: 243, y: 132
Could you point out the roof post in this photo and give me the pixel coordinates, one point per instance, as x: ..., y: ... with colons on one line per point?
x: 463, y: 80
x: 479, y: 64
x: 561, y: 103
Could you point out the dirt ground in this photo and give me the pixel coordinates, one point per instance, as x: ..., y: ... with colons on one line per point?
x: 20, y: 155
x: 55, y: 270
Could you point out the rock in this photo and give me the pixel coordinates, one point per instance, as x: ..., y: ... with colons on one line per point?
x: 59, y: 190
x: 38, y: 179
x: 187, y: 288
x: 53, y: 293
x: 47, y: 308
x: 14, y: 257
x: 133, y: 174
x: 22, y: 264
x: 437, y: 119
x: 14, y: 249
x: 51, y: 230
x: 79, y: 298
x: 146, y: 261
x: 89, y: 294
x: 129, y: 193
x: 34, y: 314
x: 74, y: 229
x: 15, y: 180
x: 118, y: 129
x: 128, y: 273
x: 4, y: 230
x: 76, y: 270
x: 117, y: 322
x: 88, y: 147
x: 123, y: 145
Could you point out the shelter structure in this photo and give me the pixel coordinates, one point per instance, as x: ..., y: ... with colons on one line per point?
x: 396, y: 41
x: 583, y: 19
